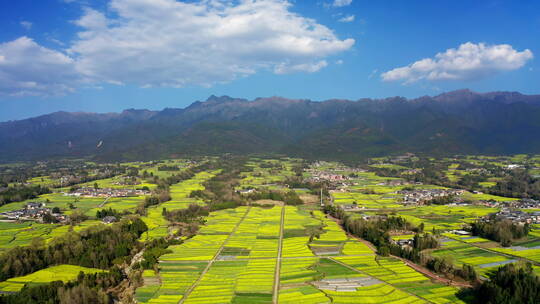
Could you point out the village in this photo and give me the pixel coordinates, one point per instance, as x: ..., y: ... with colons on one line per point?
x: 35, y: 211
x: 419, y: 197
x: 515, y: 216
x: 106, y: 192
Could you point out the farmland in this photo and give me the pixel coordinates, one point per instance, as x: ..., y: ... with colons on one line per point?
x: 56, y: 273
x: 269, y: 251
x: 234, y: 259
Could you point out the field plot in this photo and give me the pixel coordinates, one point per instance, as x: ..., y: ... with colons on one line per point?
x: 180, y: 269
x: 296, y: 236
x: 445, y: 217
x: 267, y: 173
x: 63, y: 273
x: 22, y: 234
x: 524, y: 252
x: 463, y: 253
x: 368, y: 201
x: 257, y: 236
x: 157, y: 224
x: 151, y: 286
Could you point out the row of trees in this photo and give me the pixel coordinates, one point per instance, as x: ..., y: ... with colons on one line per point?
x: 288, y: 197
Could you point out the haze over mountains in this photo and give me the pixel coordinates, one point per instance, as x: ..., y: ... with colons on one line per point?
x: 456, y: 122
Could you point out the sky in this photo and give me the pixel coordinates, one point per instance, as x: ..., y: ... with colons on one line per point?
x: 110, y: 55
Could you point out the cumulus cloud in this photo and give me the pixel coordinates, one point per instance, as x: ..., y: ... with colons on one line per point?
x: 347, y: 19
x: 29, y: 69
x: 341, y: 3
x: 176, y: 44
x: 26, y: 24
x: 469, y: 61
x: 169, y: 43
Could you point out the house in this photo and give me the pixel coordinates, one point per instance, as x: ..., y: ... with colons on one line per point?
x: 109, y: 219
x: 405, y: 242
x: 246, y: 191
x: 461, y: 232
x: 32, y: 206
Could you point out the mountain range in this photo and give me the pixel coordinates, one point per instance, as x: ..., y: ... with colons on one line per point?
x: 458, y: 122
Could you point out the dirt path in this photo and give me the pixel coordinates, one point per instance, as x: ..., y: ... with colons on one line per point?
x: 190, y: 289
x: 104, y: 202
x: 277, y: 272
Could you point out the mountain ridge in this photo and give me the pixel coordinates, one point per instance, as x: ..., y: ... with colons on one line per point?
x: 460, y: 121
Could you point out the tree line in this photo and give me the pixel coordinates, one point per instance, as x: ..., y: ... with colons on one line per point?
x: 21, y: 193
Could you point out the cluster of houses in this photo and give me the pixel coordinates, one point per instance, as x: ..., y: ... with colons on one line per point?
x: 68, y: 179
x: 107, y: 192
x: 128, y: 181
x: 318, y: 176
x: 403, y: 242
x: 33, y: 211
x: 524, y: 203
x: 418, y: 197
x: 516, y: 216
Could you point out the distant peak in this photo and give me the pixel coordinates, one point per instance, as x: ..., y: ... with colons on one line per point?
x: 220, y: 99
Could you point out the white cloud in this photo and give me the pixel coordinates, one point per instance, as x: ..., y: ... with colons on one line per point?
x: 341, y: 3
x: 303, y: 67
x: 469, y: 61
x: 26, y: 24
x: 175, y: 44
x: 169, y: 43
x: 29, y: 69
x: 347, y: 19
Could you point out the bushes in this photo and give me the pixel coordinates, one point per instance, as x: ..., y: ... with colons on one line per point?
x: 503, y: 231
x: 510, y: 284
x: 191, y: 214
x: 288, y: 197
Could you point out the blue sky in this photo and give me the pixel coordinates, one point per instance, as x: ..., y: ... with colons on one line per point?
x: 109, y: 55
